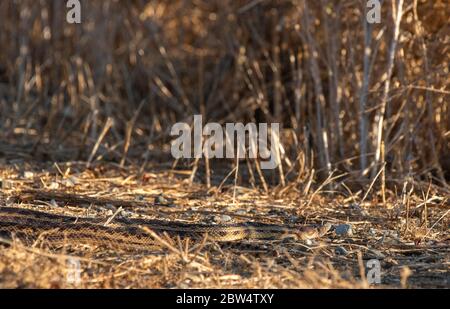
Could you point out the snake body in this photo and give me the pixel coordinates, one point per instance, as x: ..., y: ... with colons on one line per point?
x: 133, y: 233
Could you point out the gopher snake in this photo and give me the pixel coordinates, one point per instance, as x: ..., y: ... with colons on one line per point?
x: 28, y: 224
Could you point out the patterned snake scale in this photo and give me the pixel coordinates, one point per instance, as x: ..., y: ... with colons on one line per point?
x: 27, y: 225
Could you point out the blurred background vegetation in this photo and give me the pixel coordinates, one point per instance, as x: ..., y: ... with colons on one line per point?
x: 131, y: 69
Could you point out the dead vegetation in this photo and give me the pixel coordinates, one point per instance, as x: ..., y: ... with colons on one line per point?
x: 86, y: 112
x: 409, y: 239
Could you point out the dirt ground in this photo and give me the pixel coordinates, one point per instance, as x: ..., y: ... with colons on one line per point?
x: 408, y: 235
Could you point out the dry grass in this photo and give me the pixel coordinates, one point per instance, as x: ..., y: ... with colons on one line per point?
x: 366, y: 134
x: 412, y: 236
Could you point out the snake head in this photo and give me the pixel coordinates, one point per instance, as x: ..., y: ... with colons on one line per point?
x: 311, y: 232
x: 327, y: 227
